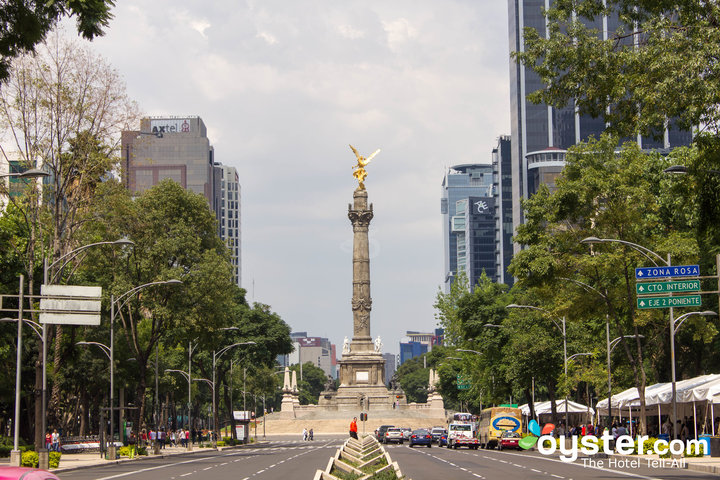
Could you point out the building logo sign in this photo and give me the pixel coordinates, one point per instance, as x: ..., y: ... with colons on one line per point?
x: 170, y: 125
x: 482, y: 206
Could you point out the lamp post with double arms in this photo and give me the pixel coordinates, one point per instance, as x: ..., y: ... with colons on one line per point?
x: 216, y: 356
x: 116, y: 304
x: 564, y: 336
x: 49, y: 279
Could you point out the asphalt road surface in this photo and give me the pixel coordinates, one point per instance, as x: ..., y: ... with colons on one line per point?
x: 290, y: 459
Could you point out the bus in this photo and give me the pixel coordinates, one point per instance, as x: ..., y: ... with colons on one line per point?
x: 496, y: 420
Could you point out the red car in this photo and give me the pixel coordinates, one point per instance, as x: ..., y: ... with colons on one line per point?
x: 509, y: 440
x: 24, y: 473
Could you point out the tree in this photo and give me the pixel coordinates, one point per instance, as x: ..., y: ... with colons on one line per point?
x: 26, y: 23
x: 659, y: 64
x: 608, y: 194
x: 312, y: 382
x: 61, y: 108
x: 414, y: 378
x: 446, y: 306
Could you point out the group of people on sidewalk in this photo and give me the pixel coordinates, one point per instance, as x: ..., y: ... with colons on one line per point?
x: 52, y: 441
x: 173, y: 438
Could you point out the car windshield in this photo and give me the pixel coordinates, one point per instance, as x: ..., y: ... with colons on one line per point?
x: 461, y: 428
x: 393, y: 430
x: 510, y: 435
x: 420, y: 432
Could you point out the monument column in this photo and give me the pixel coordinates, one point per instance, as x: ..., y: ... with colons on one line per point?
x: 360, y: 216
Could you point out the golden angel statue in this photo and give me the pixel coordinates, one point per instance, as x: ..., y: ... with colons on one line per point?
x: 360, y: 173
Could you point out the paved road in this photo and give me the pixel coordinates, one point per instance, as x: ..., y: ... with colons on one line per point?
x: 463, y: 464
x: 290, y: 459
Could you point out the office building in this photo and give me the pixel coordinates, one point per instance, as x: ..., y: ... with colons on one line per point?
x: 178, y: 148
x: 469, y: 223
x: 419, y: 343
x: 228, y: 200
x: 317, y: 350
x: 502, y: 192
x: 542, y: 134
x: 390, y: 367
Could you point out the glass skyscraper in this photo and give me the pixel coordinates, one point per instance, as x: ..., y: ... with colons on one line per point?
x: 541, y: 134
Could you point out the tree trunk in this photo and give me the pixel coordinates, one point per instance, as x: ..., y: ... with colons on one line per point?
x: 531, y: 403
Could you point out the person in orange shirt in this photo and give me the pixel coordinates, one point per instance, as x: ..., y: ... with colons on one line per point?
x: 353, y: 428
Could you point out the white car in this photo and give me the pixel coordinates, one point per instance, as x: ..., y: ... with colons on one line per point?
x: 394, y: 434
x: 406, y: 432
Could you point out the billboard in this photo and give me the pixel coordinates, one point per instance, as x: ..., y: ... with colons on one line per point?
x: 70, y: 305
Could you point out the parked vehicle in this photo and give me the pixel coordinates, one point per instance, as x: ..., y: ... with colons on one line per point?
x: 509, y: 440
x: 406, y: 432
x: 394, y: 434
x: 462, y: 435
x: 421, y: 437
x: 380, y: 432
x: 442, y: 441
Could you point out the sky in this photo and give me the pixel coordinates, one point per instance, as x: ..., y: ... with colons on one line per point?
x: 283, y: 87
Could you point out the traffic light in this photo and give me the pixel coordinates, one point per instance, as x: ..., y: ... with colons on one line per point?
x: 363, y: 417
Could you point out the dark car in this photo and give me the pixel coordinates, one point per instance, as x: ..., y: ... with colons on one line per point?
x: 509, y: 440
x: 437, y: 432
x: 442, y: 441
x: 380, y: 432
x: 18, y: 473
x: 421, y: 437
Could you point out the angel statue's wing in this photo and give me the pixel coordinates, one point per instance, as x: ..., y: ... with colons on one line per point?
x: 355, y: 151
x: 371, y: 156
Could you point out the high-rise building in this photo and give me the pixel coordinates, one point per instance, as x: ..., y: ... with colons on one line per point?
x: 178, y: 148
x: 229, y: 218
x: 502, y: 170
x: 541, y: 134
x: 316, y: 350
x: 469, y: 222
x: 390, y: 367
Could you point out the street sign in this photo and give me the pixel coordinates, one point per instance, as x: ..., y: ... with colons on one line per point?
x: 667, y: 302
x: 673, y: 271
x: 649, y: 288
x: 462, y: 383
x: 70, y: 305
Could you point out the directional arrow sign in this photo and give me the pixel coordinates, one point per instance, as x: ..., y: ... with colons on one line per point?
x: 650, y: 288
x: 667, y: 302
x: 673, y: 271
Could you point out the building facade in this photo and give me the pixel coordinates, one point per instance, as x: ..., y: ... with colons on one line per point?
x: 502, y: 192
x: 541, y: 133
x: 390, y: 367
x: 319, y: 351
x: 469, y: 223
x: 178, y: 148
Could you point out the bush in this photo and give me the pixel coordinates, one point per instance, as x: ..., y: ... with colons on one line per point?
x: 5, y: 450
x: 30, y: 459
x: 220, y: 443
x: 54, y: 461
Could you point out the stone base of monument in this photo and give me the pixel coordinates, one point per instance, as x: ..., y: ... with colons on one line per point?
x: 287, y: 407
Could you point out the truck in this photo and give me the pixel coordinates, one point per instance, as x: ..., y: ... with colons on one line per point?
x: 462, y: 435
x: 496, y: 420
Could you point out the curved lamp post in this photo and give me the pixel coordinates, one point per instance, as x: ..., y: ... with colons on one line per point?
x: 120, y: 302
x: 216, y: 356
x: 564, y: 336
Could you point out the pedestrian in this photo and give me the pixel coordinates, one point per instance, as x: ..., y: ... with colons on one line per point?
x: 310, y: 434
x: 353, y: 428
x: 187, y: 437
x: 55, y: 441
x: 48, y: 440
x: 304, y: 434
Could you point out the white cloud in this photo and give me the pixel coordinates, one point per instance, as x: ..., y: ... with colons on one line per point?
x: 284, y: 87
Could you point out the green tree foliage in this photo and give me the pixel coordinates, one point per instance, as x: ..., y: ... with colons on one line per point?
x: 614, y: 194
x: 446, y: 306
x: 659, y: 64
x: 413, y: 378
x: 312, y: 383
x: 26, y: 23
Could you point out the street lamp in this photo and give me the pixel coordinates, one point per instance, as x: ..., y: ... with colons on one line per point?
x: 30, y: 173
x: 468, y: 350
x: 216, y: 356
x: 564, y: 335
x: 47, y: 269
x: 120, y: 302
x: 683, y: 169
x: 674, y: 327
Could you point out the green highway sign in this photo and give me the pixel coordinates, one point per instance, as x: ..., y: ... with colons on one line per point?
x: 463, y: 383
x: 667, y: 302
x: 649, y: 288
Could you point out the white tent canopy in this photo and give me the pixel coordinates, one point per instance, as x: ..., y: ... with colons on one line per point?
x: 545, y: 408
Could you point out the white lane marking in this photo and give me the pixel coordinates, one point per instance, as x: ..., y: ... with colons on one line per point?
x: 535, y: 470
x: 207, y: 468
x: 152, y: 468
x: 223, y: 464
x: 186, y: 474
x: 577, y: 464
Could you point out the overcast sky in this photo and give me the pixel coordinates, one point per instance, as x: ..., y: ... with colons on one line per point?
x: 283, y: 87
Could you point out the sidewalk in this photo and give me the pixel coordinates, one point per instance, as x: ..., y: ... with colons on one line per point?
x: 75, y: 461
